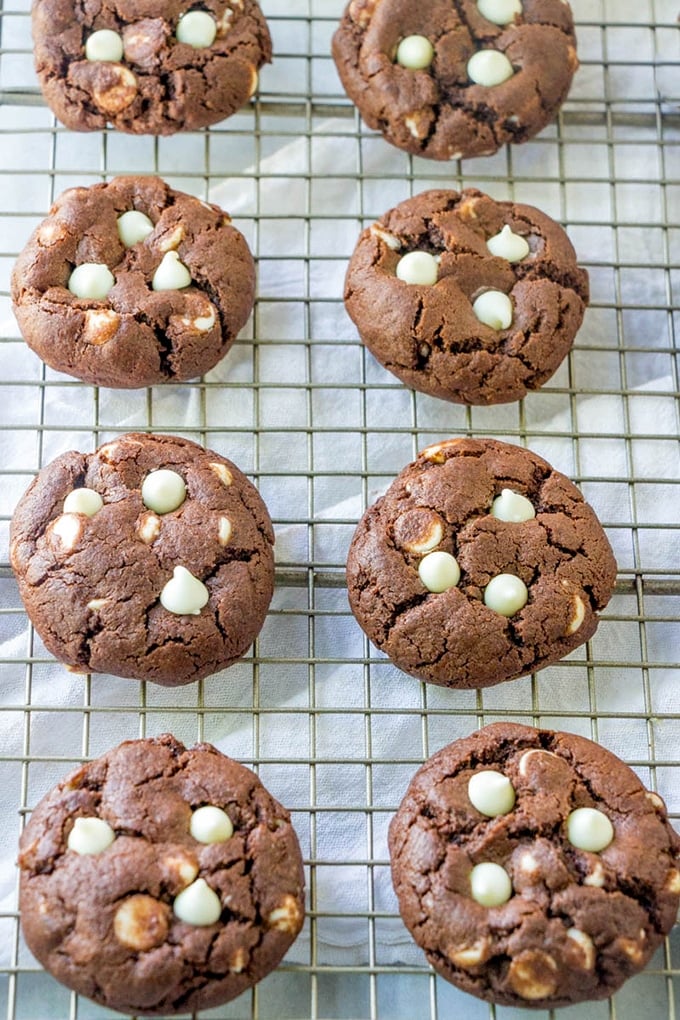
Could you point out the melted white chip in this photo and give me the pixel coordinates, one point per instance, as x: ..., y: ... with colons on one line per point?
x: 163, y: 491
x: 415, y: 52
x: 184, y: 594
x: 171, y: 273
x: 211, y: 824
x: 508, y: 246
x: 197, y: 29
x: 589, y: 829
x: 494, y: 309
x: 198, y: 904
x: 133, y: 227
x: 83, y: 501
x: 513, y: 507
x: 491, y: 793
x: 68, y: 530
x: 500, y: 12
x: 91, y: 280
x: 489, y: 68
x: 506, y: 594
x: 90, y: 836
x: 490, y: 884
x: 104, y: 45
x: 439, y: 571
x: 418, y: 267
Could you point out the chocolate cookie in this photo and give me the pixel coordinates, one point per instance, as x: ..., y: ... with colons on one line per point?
x: 479, y: 564
x: 466, y: 298
x: 131, y: 283
x: 160, y: 879
x: 533, y: 867
x: 449, y: 80
x: 151, y: 558
x: 147, y: 67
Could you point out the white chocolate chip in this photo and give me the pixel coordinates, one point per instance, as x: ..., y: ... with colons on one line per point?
x: 90, y: 836
x: 118, y: 93
x: 632, y: 949
x: 181, y: 868
x: 418, y: 267
x: 171, y: 273
x: 83, y: 501
x: 528, y: 755
x: 361, y: 11
x: 589, y: 829
x: 91, y: 281
x: 586, y: 944
x: 96, y: 604
x: 418, y: 123
x: 508, y: 246
x: 197, y: 29
x: 596, y: 878
x: 51, y: 232
x: 418, y: 531
x: 578, y: 615
x: 491, y: 793
x: 104, y: 45
x: 673, y: 881
x: 490, y: 884
x: 435, y: 453
x: 141, y: 923
x: 133, y: 227
x: 68, y: 529
x: 415, y: 52
x: 470, y: 956
x: 513, y: 507
x: 533, y: 975
x: 163, y: 491
x: 390, y: 240
x: 506, y: 594
x: 528, y: 864
x: 489, y: 68
x: 204, y: 323
x: 172, y: 241
x: 101, y: 325
x: 494, y: 309
x: 239, y: 961
x: 254, y: 82
x: 500, y: 12
x: 211, y: 824
x: 439, y: 571
x: 285, y: 917
x: 224, y: 531
x: 184, y: 594
x: 223, y: 473
x: 149, y: 528
x: 198, y: 904
x: 655, y: 800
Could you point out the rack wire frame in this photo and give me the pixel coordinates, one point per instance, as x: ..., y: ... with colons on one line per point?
x: 609, y: 171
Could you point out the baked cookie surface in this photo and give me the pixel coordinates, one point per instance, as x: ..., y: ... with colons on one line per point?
x: 151, y: 558
x: 481, y: 563
x: 450, y: 80
x: 148, y: 67
x: 160, y: 879
x: 533, y: 867
x: 466, y: 298
x: 132, y: 283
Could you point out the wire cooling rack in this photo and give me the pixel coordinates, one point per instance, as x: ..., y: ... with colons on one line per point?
x: 333, y: 729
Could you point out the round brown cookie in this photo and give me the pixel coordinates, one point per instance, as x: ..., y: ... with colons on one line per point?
x: 533, y: 867
x: 160, y: 879
x: 147, y: 67
x: 131, y: 283
x: 150, y: 558
x: 449, y: 316
x: 479, y: 564
x: 446, y: 81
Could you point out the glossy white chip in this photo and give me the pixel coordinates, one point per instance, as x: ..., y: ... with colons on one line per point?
x: 506, y: 594
x: 211, y: 824
x: 490, y: 884
x: 512, y: 506
x: 163, y: 491
x: 500, y: 12
x: 418, y: 267
x: 198, y: 904
x: 90, y: 836
x: 133, y: 227
x: 197, y: 29
x: 489, y: 68
x: 91, y: 281
x: 494, y: 309
x: 415, y: 52
x: 184, y: 594
x: 508, y: 246
x: 491, y: 793
x: 171, y: 273
x: 439, y: 571
x: 83, y: 501
x: 104, y: 44
x: 589, y: 829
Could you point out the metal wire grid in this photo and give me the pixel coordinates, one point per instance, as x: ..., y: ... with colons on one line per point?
x: 337, y: 736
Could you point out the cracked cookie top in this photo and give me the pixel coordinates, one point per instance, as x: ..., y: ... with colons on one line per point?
x: 466, y: 298
x: 548, y: 897
x: 147, y: 67
x: 479, y: 564
x: 131, y: 283
x: 194, y: 895
x: 151, y: 558
x: 447, y: 79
